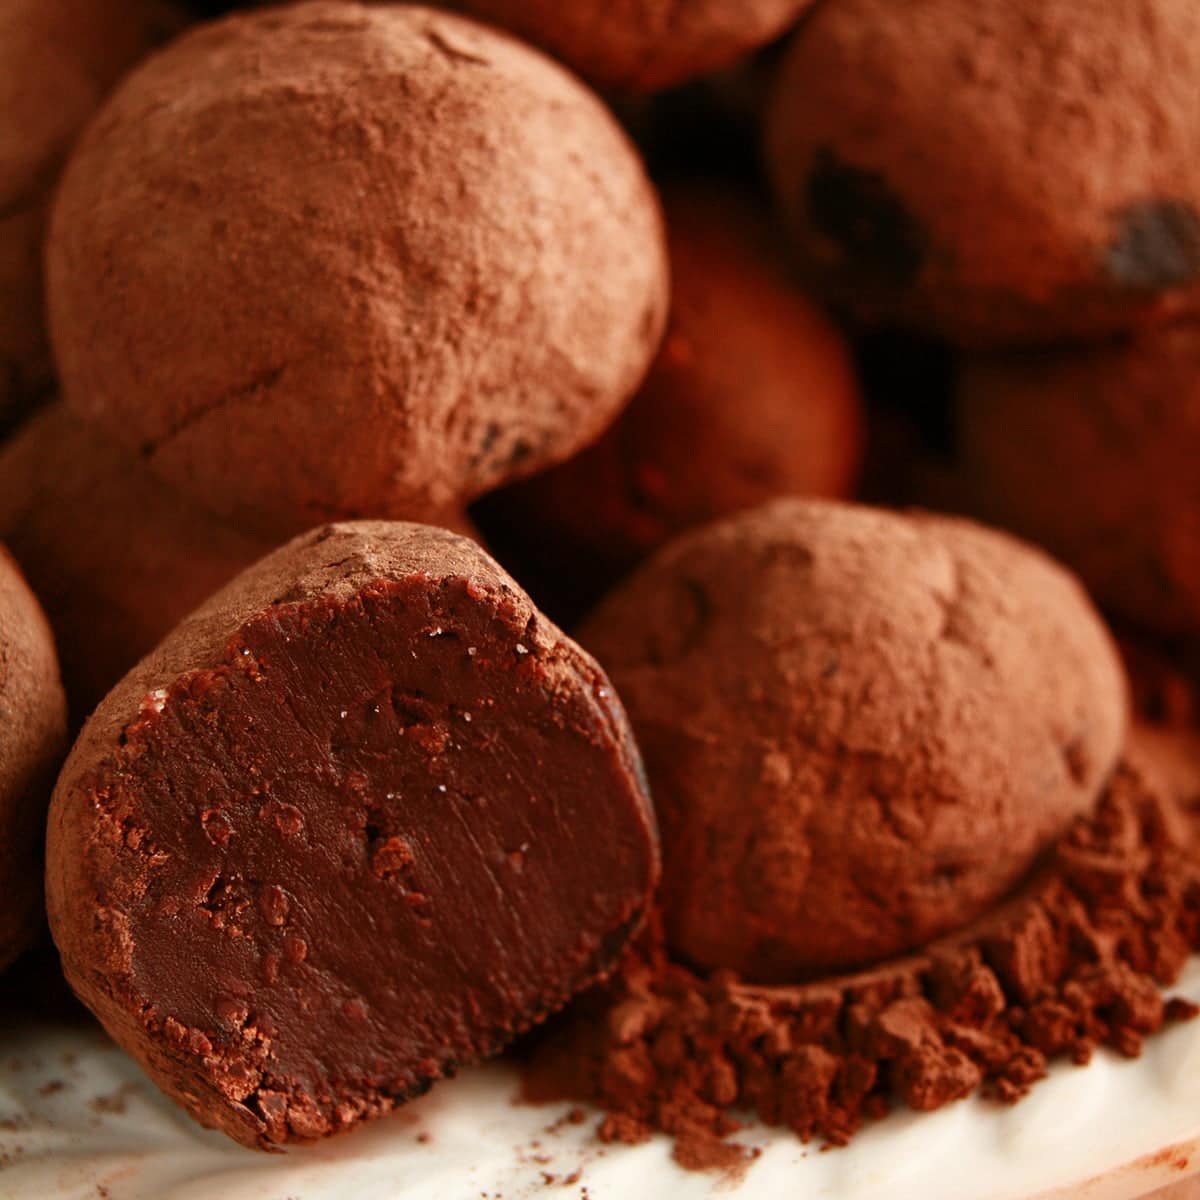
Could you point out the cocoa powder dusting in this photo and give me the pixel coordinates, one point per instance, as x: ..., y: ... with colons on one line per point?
x: 1074, y: 962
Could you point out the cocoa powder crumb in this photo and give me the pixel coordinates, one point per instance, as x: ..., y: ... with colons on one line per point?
x: 1074, y: 962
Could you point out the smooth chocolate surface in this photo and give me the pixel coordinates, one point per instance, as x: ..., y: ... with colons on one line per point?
x: 360, y: 820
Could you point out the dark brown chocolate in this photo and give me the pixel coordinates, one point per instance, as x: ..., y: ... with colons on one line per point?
x: 330, y: 260
x: 361, y: 819
x: 1016, y: 172
x: 861, y: 727
x: 33, y: 731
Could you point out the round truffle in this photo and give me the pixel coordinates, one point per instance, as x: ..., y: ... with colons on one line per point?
x: 361, y: 819
x: 326, y: 260
x: 1094, y: 455
x: 995, y: 173
x: 33, y: 727
x: 752, y: 396
x: 643, y: 45
x: 860, y: 727
x: 58, y: 58
x: 117, y: 558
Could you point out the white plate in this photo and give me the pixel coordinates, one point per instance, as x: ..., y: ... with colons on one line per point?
x: 78, y: 1119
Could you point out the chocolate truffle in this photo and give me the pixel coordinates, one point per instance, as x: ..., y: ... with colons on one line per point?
x: 33, y: 719
x: 362, y: 818
x: 325, y: 260
x: 995, y: 173
x: 58, y: 59
x: 118, y: 559
x: 861, y: 727
x: 643, y: 45
x: 1094, y: 454
x: 752, y: 396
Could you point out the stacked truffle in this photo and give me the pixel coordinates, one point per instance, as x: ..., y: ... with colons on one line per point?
x: 58, y: 59
x: 1022, y: 179
x: 362, y: 814
x: 283, y: 287
x: 365, y: 338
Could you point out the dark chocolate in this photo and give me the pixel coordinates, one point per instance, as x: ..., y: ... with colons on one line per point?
x: 360, y: 820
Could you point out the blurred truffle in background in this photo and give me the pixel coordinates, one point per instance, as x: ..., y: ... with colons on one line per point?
x: 58, y: 59
x: 1096, y: 455
x: 32, y: 743
x: 642, y: 45
x: 994, y: 173
x: 116, y: 557
x: 753, y: 395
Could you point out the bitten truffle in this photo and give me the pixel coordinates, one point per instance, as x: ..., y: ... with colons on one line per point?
x: 752, y: 396
x: 117, y: 557
x: 58, y: 59
x: 33, y: 729
x: 643, y: 45
x: 1095, y: 455
x: 994, y: 173
x: 329, y: 260
x: 361, y: 819
x: 860, y: 727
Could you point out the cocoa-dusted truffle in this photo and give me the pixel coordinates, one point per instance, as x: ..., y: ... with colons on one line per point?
x: 643, y: 45
x: 994, y: 173
x: 362, y: 818
x: 58, y: 58
x: 1094, y: 454
x: 118, y: 559
x: 33, y: 723
x: 327, y: 260
x: 860, y: 727
x: 752, y: 396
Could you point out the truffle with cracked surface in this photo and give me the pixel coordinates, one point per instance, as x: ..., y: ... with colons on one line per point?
x: 861, y: 727
x: 326, y: 260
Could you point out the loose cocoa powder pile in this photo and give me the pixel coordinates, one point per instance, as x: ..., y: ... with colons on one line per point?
x: 1073, y: 963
